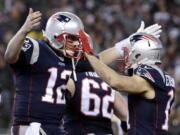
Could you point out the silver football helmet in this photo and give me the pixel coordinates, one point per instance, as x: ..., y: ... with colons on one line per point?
x: 145, y: 49
x: 61, y: 27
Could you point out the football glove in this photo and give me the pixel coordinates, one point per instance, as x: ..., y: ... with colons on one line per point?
x: 85, y: 42
x: 33, y: 129
x: 153, y: 30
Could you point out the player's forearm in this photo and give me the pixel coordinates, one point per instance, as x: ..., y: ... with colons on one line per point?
x: 107, y: 74
x: 115, y: 80
x: 14, y: 47
x: 108, y: 56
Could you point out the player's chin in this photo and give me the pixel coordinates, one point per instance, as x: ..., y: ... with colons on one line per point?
x: 68, y: 53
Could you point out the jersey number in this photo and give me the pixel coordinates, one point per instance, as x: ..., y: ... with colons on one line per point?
x: 49, y: 95
x: 168, y: 107
x: 91, y: 103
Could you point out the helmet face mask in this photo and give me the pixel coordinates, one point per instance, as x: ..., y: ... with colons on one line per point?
x: 62, y: 31
x: 72, y: 46
x: 145, y: 49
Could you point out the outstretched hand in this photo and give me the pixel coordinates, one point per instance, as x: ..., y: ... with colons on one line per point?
x: 32, y: 21
x: 153, y: 30
x: 85, y: 43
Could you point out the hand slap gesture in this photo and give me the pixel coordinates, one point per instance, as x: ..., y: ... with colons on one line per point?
x: 32, y: 21
x: 154, y: 30
x: 85, y: 43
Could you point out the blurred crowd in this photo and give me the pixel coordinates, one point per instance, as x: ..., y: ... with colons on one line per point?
x: 107, y: 21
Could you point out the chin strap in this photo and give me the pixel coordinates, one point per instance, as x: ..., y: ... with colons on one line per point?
x: 74, y: 69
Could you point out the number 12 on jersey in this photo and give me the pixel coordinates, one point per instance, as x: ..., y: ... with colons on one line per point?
x: 49, y: 94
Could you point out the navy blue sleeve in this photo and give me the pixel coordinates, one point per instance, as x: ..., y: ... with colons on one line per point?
x: 152, y: 75
x: 26, y: 52
x: 29, y: 52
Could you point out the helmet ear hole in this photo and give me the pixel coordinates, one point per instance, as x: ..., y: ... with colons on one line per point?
x: 59, y: 38
x: 137, y: 56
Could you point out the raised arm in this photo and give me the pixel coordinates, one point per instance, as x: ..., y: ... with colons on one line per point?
x: 112, y: 54
x: 15, y: 44
x: 104, y: 56
x: 133, y: 84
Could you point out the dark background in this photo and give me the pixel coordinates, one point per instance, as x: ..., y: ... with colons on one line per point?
x: 107, y: 21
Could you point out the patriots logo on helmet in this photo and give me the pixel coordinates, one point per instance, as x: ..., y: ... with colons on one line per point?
x: 136, y: 38
x: 62, y: 18
x: 145, y: 73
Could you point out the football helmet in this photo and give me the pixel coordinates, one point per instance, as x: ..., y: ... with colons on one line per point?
x: 144, y: 49
x: 62, y: 31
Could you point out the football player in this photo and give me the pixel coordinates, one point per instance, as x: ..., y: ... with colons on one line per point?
x: 92, y: 104
x: 151, y: 90
x: 42, y: 69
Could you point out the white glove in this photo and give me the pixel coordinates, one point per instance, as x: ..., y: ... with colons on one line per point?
x: 33, y: 129
x: 154, y: 29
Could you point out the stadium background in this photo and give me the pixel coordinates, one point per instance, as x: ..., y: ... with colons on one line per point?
x: 107, y: 21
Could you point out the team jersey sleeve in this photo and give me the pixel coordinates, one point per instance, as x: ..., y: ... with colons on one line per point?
x: 152, y: 75
x: 29, y: 52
